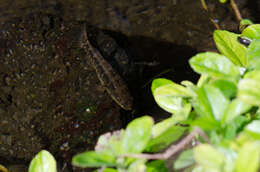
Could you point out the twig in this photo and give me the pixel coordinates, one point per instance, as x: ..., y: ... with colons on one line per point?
x: 236, y: 10
x: 205, y: 7
x: 172, y: 149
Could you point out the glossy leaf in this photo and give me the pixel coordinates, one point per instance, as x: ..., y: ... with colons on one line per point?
x: 217, y: 101
x: 252, y: 31
x: 106, y: 170
x: 43, y: 162
x: 248, y: 91
x: 184, y: 160
x: 214, y: 65
x: 230, y: 157
x: 227, y: 88
x: 93, y: 159
x: 211, y: 102
x: 163, y: 140
x: 228, y: 45
x: 204, y: 79
x: 205, y: 123
x: 137, y: 135
x: 255, y: 74
x: 254, y: 129
x: 234, y: 109
x: 246, y: 22
x: 232, y: 129
x: 208, y: 157
x: 253, y: 54
x: 168, y: 95
x: 202, y: 104
x: 156, y: 166
x: 138, y: 165
x: 110, y: 143
x: 166, y: 86
x: 248, y: 158
x: 162, y: 126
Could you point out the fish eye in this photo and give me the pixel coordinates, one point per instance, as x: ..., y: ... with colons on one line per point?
x: 244, y: 41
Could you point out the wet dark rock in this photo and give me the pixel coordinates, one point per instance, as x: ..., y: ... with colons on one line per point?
x: 50, y: 97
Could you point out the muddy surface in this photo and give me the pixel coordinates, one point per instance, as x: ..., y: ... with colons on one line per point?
x: 50, y: 96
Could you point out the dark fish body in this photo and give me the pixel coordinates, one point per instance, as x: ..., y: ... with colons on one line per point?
x: 109, y: 78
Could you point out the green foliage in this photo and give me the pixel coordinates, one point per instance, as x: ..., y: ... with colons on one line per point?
x: 220, y: 112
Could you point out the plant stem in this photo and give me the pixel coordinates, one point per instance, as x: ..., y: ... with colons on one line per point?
x: 236, y: 10
x: 205, y: 7
x: 172, y: 149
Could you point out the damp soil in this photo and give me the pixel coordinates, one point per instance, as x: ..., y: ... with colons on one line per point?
x: 51, y: 97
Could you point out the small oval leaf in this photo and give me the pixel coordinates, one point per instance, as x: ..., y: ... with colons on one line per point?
x: 169, y: 95
x: 208, y: 157
x: 253, y: 54
x: 252, y: 31
x: 93, y: 159
x: 254, y: 129
x: 228, y: 45
x: 248, y: 91
x: 137, y: 135
x: 248, y: 158
x: 43, y: 162
x: 214, y: 65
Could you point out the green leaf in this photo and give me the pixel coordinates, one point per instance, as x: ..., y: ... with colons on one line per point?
x: 228, y: 88
x: 43, y: 162
x: 246, y: 22
x: 162, y: 126
x: 234, y: 109
x: 228, y: 45
x: 248, y: 91
x: 253, y: 54
x: 137, y: 135
x: 211, y: 102
x: 165, y: 86
x: 199, y: 168
x: 222, y: 1
x: 217, y: 101
x: 214, y: 65
x: 168, y: 95
x: 248, y: 158
x: 184, y: 160
x: 255, y: 74
x: 254, y: 129
x: 205, y: 123
x: 138, y: 165
x: 208, y: 157
x: 156, y: 166
x: 110, y: 143
x: 252, y: 31
x: 107, y: 170
x: 232, y: 129
x: 202, y: 104
x: 93, y: 159
x: 163, y: 140
x: 230, y: 157
x: 204, y: 79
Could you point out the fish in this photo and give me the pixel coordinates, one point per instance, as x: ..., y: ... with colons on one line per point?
x: 113, y: 83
